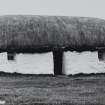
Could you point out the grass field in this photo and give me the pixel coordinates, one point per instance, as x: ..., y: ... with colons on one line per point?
x: 50, y: 90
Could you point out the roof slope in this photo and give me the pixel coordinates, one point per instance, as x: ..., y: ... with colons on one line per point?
x: 39, y: 33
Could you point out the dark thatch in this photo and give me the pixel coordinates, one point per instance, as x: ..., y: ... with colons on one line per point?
x: 48, y: 33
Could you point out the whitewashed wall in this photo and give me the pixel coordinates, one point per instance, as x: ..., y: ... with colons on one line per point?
x: 28, y: 63
x: 73, y: 62
x: 85, y: 62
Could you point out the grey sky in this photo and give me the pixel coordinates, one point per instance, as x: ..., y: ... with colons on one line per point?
x: 88, y: 8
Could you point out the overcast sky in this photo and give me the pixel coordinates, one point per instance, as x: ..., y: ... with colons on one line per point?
x: 87, y: 8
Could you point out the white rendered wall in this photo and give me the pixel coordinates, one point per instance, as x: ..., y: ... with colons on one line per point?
x: 73, y: 62
x: 28, y: 63
x: 85, y: 62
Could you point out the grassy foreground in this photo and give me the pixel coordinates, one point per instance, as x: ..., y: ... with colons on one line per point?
x: 50, y: 90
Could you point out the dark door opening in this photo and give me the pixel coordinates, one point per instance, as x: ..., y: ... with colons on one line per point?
x: 57, y: 57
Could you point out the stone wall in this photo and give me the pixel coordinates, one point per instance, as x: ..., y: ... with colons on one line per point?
x: 73, y: 62
x: 84, y: 62
x: 28, y: 63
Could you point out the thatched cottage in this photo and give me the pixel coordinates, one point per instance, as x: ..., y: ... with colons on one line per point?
x: 56, y: 35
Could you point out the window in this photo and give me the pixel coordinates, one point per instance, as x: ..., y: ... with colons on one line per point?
x: 101, y: 55
x: 10, y: 56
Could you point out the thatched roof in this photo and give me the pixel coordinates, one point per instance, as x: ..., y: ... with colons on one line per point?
x: 39, y: 33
